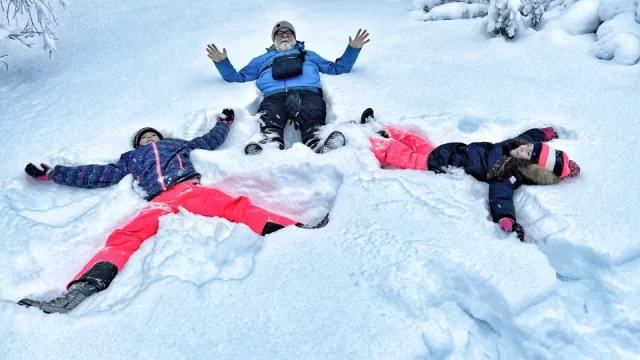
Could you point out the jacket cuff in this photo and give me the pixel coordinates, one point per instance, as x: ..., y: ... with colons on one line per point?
x: 223, y: 66
x: 351, y: 51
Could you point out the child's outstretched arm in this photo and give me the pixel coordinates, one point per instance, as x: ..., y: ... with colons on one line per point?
x: 214, y: 138
x: 501, y: 199
x: 539, y: 135
x: 85, y: 176
x: 501, y: 204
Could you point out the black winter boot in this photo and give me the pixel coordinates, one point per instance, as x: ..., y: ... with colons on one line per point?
x: 367, y: 115
x: 334, y: 140
x: 321, y: 224
x: 71, y: 298
x: 252, y: 149
x: 271, y: 227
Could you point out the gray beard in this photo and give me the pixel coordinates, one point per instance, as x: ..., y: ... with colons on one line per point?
x: 284, y: 46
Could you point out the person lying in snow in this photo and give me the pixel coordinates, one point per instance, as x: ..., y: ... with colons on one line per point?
x: 289, y: 78
x: 162, y: 169
x: 524, y: 160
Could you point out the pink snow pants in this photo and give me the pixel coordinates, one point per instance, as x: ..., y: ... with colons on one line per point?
x: 122, y: 243
x: 403, y: 150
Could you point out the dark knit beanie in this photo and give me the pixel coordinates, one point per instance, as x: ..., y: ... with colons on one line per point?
x: 552, y: 160
x: 138, y: 135
x: 282, y: 24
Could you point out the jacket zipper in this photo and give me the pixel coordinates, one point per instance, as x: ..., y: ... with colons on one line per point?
x: 158, y: 168
x: 180, y: 162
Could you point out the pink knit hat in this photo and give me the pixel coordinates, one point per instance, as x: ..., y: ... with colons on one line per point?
x: 553, y: 160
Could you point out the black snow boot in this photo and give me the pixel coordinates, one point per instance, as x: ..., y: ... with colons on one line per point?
x: 71, y: 298
x: 252, y: 149
x: 366, y: 116
x: 334, y: 140
x: 319, y: 225
x: 270, y: 227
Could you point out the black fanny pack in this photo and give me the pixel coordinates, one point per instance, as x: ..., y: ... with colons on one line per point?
x: 287, y: 66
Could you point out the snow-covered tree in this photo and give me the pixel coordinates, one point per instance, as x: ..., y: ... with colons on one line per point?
x: 638, y: 11
x: 535, y: 8
x: 503, y: 17
x: 428, y: 5
x: 28, y: 20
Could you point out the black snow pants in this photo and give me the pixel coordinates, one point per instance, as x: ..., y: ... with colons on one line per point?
x: 307, y: 109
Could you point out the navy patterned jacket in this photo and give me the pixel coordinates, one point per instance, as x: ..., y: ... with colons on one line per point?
x: 155, y: 166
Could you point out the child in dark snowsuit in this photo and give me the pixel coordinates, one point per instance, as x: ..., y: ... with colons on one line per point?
x: 162, y: 169
x: 505, y: 166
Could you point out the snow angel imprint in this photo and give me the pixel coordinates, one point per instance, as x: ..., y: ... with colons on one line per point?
x: 524, y: 160
x: 163, y: 171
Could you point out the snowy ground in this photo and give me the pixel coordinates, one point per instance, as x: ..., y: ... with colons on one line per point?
x: 409, y: 267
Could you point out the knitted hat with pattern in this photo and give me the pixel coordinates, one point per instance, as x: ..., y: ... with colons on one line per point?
x: 553, y: 160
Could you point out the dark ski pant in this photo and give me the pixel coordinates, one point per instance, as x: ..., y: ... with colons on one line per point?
x: 307, y: 109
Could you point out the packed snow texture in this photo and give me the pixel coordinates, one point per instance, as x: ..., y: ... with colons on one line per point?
x: 409, y: 267
x: 609, y: 9
x: 580, y: 18
x: 623, y: 48
x: 619, y: 39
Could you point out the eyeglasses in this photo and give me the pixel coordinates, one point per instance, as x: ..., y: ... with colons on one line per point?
x: 284, y: 33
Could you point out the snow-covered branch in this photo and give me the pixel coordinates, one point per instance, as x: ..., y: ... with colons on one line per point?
x: 503, y: 17
x: 38, y: 18
x: 535, y: 8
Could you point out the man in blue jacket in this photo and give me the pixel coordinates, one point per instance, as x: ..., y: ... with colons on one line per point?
x: 289, y: 78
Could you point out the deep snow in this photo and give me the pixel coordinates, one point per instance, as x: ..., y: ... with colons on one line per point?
x: 410, y: 265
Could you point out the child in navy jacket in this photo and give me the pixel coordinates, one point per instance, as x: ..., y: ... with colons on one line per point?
x: 163, y: 170
x: 505, y: 166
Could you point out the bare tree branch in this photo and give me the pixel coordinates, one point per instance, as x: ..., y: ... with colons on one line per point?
x: 4, y: 62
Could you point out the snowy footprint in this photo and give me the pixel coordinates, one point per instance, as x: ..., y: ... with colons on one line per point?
x: 470, y: 124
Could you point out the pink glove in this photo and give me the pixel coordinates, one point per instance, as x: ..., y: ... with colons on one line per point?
x: 549, y: 133
x: 36, y: 173
x: 508, y: 225
x: 574, y: 169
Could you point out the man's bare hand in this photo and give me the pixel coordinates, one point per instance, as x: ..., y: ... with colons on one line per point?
x: 360, y: 39
x: 215, y: 55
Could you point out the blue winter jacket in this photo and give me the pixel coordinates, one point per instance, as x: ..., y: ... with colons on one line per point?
x: 477, y: 159
x: 260, y: 68
x: 155, y: 166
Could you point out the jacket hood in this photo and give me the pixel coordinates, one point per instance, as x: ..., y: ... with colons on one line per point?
x: 539, y: 175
